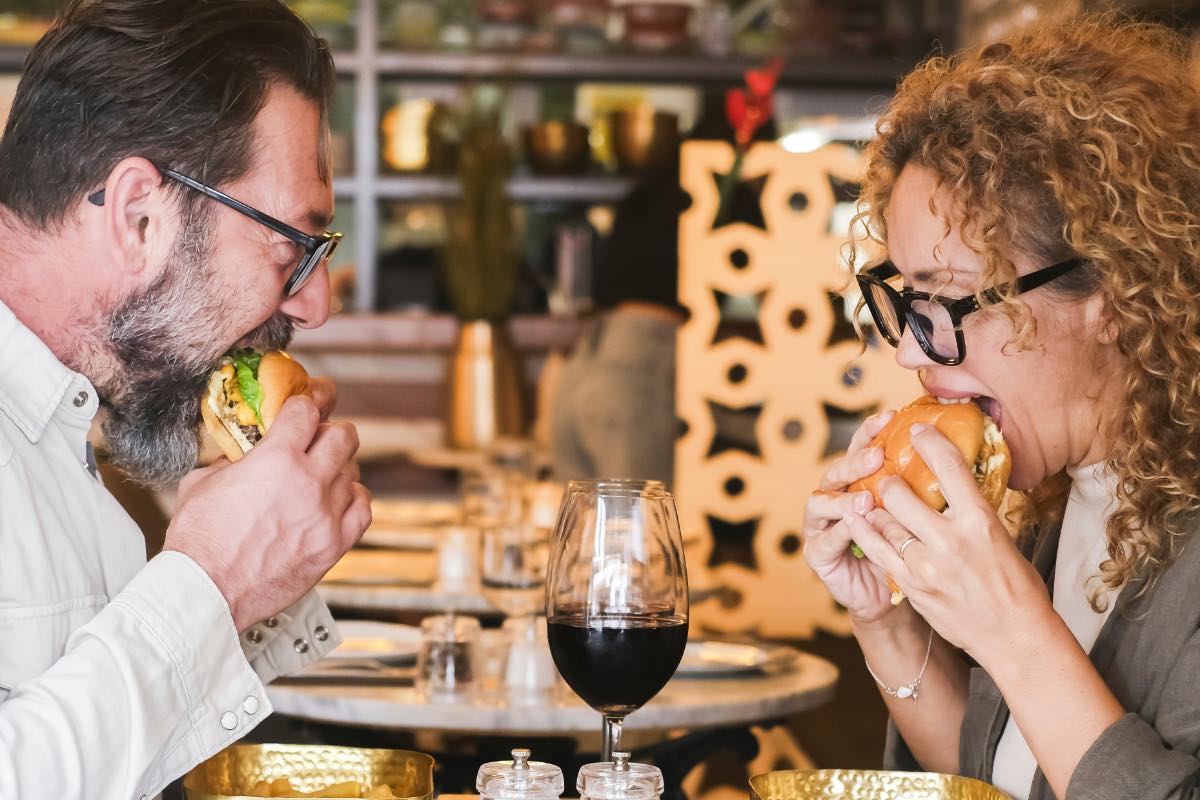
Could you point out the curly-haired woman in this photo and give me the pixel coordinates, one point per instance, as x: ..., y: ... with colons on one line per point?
x: 1055, y: 178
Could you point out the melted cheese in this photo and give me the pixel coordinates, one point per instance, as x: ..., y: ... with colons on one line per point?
x: 218, y: 403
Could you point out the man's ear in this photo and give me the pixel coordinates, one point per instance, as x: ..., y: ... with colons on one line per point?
x: 136, y: 213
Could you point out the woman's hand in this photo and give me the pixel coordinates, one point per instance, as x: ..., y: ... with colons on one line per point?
x: 962, y: 572
x: 857, y: 584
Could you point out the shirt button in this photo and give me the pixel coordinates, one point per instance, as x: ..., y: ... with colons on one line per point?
x: 321, y: 633
x: 271, y: 623
x: 80, y: 400
x: 254, y: 636
x: 250, y: 705
x: 301, y: 646
x: 229, y: 720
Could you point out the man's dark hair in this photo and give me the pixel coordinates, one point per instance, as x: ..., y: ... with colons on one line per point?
x: 178, y: 82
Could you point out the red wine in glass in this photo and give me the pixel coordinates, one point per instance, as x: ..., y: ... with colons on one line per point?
x: 617, y: 664
x: 617, y: 596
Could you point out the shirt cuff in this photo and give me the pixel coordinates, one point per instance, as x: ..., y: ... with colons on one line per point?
x: 1130, y: 760
x: 292, y: 639
x: 182, y: 609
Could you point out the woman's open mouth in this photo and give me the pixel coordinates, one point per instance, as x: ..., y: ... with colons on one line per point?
x: 987, y: 405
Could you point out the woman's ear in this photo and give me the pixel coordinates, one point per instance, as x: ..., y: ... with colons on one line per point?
x: 1098, y: 318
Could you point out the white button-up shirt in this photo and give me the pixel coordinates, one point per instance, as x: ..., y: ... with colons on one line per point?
x: 116, y: 675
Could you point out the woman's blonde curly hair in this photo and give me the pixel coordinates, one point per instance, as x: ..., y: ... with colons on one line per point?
x: 1081, y: 139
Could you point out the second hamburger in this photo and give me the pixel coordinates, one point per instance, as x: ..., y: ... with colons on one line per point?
x: 972, y: 432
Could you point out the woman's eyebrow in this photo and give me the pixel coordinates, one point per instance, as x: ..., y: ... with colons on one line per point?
x: 939, y: 274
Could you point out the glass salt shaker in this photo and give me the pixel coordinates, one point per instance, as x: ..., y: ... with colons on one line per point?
x: 445, y: 669
x: 619, y: 779
x: 519, y: 779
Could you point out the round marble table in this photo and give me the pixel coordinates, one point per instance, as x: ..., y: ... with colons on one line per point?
x: 685, y: 703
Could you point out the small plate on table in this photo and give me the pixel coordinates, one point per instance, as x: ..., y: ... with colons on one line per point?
x: 404, y: 512
x: 710, y: 659
x: 395, y: 537
x: 386, y: 642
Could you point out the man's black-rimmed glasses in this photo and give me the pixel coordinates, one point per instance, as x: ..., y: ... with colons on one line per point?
x: 317, y: 249
x: 936, y: 322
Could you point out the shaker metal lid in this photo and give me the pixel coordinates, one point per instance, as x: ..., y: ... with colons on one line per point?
x: 519, y: 779
x: 619, y: 779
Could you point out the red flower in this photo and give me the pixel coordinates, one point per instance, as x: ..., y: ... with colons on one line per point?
x: 747, y: 109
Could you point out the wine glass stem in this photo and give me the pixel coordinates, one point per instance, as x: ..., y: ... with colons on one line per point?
x: 612, y: 736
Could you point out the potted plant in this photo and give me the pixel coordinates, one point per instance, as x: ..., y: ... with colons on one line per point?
x: 481, y: 268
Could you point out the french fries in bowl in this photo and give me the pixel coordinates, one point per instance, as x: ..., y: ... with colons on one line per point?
x: 277, y: 770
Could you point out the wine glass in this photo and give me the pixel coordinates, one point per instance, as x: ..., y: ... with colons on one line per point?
x: 617, y: 596
x: 491, y: 497
x: 514, y: 568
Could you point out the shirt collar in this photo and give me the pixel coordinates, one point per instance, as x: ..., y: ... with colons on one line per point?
x: 33, y: 382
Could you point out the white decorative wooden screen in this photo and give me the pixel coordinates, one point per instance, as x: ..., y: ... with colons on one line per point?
x: 767, y: 387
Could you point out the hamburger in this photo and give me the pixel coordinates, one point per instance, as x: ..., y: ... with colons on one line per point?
x: 968, y: 428
x: 245, y: 394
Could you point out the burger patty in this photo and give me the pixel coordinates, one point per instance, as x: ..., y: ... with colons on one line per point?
x: 251, y: 432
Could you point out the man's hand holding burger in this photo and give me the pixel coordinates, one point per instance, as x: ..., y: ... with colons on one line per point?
x: 267, y: 528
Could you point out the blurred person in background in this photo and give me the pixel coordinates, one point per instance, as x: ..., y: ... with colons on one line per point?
x: 122, y: 286
x: 614, y: 408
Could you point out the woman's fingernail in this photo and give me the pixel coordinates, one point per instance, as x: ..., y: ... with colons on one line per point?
x: 918, y: 429
x: 873, y: 453
x: 864, y: 502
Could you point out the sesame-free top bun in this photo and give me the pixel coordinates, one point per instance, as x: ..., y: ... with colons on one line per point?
x: 279, y: 377
x: 975, y: 435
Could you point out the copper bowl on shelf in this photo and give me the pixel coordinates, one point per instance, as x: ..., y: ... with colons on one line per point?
x: 657, y: 25
x: 557, y: 148
x: 644, y: 139
x: 508, y: 12
x: 864, y: 784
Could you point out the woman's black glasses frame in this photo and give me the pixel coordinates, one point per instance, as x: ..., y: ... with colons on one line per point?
x: 957, y: 309
x: 317, y: 249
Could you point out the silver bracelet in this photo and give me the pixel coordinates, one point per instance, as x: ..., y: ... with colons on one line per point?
x: 906, y: 691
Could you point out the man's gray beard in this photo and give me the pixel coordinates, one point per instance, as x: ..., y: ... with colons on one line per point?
x: 167, y: 340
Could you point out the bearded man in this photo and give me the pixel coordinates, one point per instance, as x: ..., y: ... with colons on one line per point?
x: 164, y: 194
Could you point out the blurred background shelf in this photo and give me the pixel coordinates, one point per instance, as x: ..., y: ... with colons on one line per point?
x: 880, y: 73
x: 586, y: 189
x: 416, y: 332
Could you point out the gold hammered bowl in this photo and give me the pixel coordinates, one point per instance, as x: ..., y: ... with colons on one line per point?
x: 235, y: 770
x: 857, y: 784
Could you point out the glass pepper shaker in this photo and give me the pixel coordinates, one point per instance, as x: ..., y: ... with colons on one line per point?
x: 619, y: 779
x: 519, y: 779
